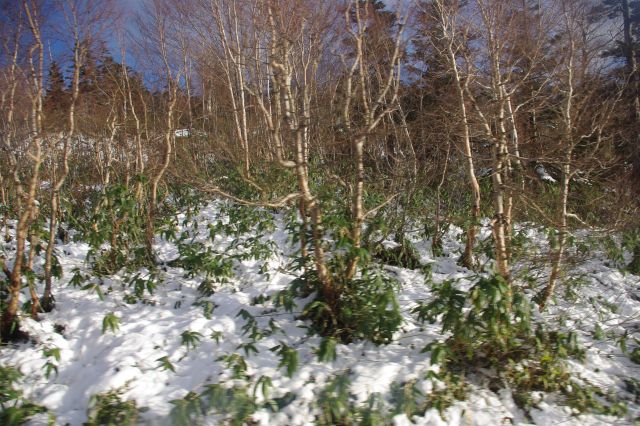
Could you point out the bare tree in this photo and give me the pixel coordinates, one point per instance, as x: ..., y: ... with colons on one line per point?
x: 27, y: 190
x: 85, y: 21
x: 499, y: 74
x: 453, y: 40
x: 576, y: 80
x: 157, y: 31
x: 11, y: 47
x: 377, y: 98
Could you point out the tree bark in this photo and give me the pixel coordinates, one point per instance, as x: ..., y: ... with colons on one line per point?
x: 48, y: 301
x: 449, y: 30
x: 9, y: 325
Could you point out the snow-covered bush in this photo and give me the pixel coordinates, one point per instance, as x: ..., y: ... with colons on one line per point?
x: 494, y: 335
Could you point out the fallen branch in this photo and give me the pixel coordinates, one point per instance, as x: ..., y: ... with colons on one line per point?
x: 375, y: 209
x: 208, y: 188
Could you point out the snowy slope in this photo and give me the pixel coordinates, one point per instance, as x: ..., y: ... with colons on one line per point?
x: 93, y: 362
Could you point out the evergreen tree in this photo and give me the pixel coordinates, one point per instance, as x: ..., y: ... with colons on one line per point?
x: 56, y: 100
x: 88, y: 73
x: 56, y: 81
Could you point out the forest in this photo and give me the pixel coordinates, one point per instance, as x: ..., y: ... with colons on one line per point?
x: 329, y: 212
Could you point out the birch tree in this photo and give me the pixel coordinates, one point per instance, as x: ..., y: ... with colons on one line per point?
x: 499, y: 74
x: 453, y: 40
x: 583, y: 117
x: 26, y: 186
x: 156, y: 28
x: 85, y: 21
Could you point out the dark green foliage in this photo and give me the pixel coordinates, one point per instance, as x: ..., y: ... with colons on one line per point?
x: 141, y: 283
x: 614, y: 252
x: 633, y: 387
x: 337, y: 404
x: 237, y: 364
x: 4, y: 286
x: 361, y: 307
x: 590, y: 398
x: 108, y: 409
x: 327, y: 350
x: 288, y: 358
x: 216, y: 335
x: 490, y: 324
x: 519, y: 245
x: 110, y: 322
x: 207, y: 307
x: 119, y: 220
x: 184, y: 199
x: 407, y: 399
x: 234, y: 403
x: 14, y: 408
x: 237, y: 220
x: 366, y: 308
x: 196, y: 258
x: 334, y: 403
x: 403, y: 255
x: 190, y: 339
x: 50, y: 366
x: 631, y: 242
x: 77, y: 279
x: 252, y: 248
x: 165, y: 364
x: 245, y: 225
x: 492, y: 330
x: 252, y: 329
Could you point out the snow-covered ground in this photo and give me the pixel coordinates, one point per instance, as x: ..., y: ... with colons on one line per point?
x: 92, y: 362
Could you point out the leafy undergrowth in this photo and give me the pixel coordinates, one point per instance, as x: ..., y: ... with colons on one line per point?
x: 14, y: 408
x: 215, y: 334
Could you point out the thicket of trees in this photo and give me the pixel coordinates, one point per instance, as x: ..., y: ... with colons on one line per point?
x: 368, y: 118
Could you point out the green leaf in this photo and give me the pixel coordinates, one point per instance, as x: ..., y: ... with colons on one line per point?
x: 190, y: 339
x: 52, y: 352
x: 265, y: 384
x: 110, y: 322
x: 216, y: 335
x: 166, y: 364
x: 327, y: 350
x: 288, y: 358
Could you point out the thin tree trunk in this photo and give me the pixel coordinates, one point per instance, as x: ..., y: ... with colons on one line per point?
x: 9, y: 133
x: 515, y: 140
x: 5, y: 214
x: 140, y: 167
x: 436, y: 239
x: 34, y: 240
x: 48, y: 301
x: 357, y: 209
x: 567, y: 111
x: 8, y: 327
x: 563, y: 231
x: 168, y: 139
x: 448, y: 27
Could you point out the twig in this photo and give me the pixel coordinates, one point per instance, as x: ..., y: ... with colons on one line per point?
x: 375, y: 209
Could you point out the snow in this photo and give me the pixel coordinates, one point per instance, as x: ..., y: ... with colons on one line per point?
x: 92, y: 361
x: 544, y: 175
x: 182, y: 133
